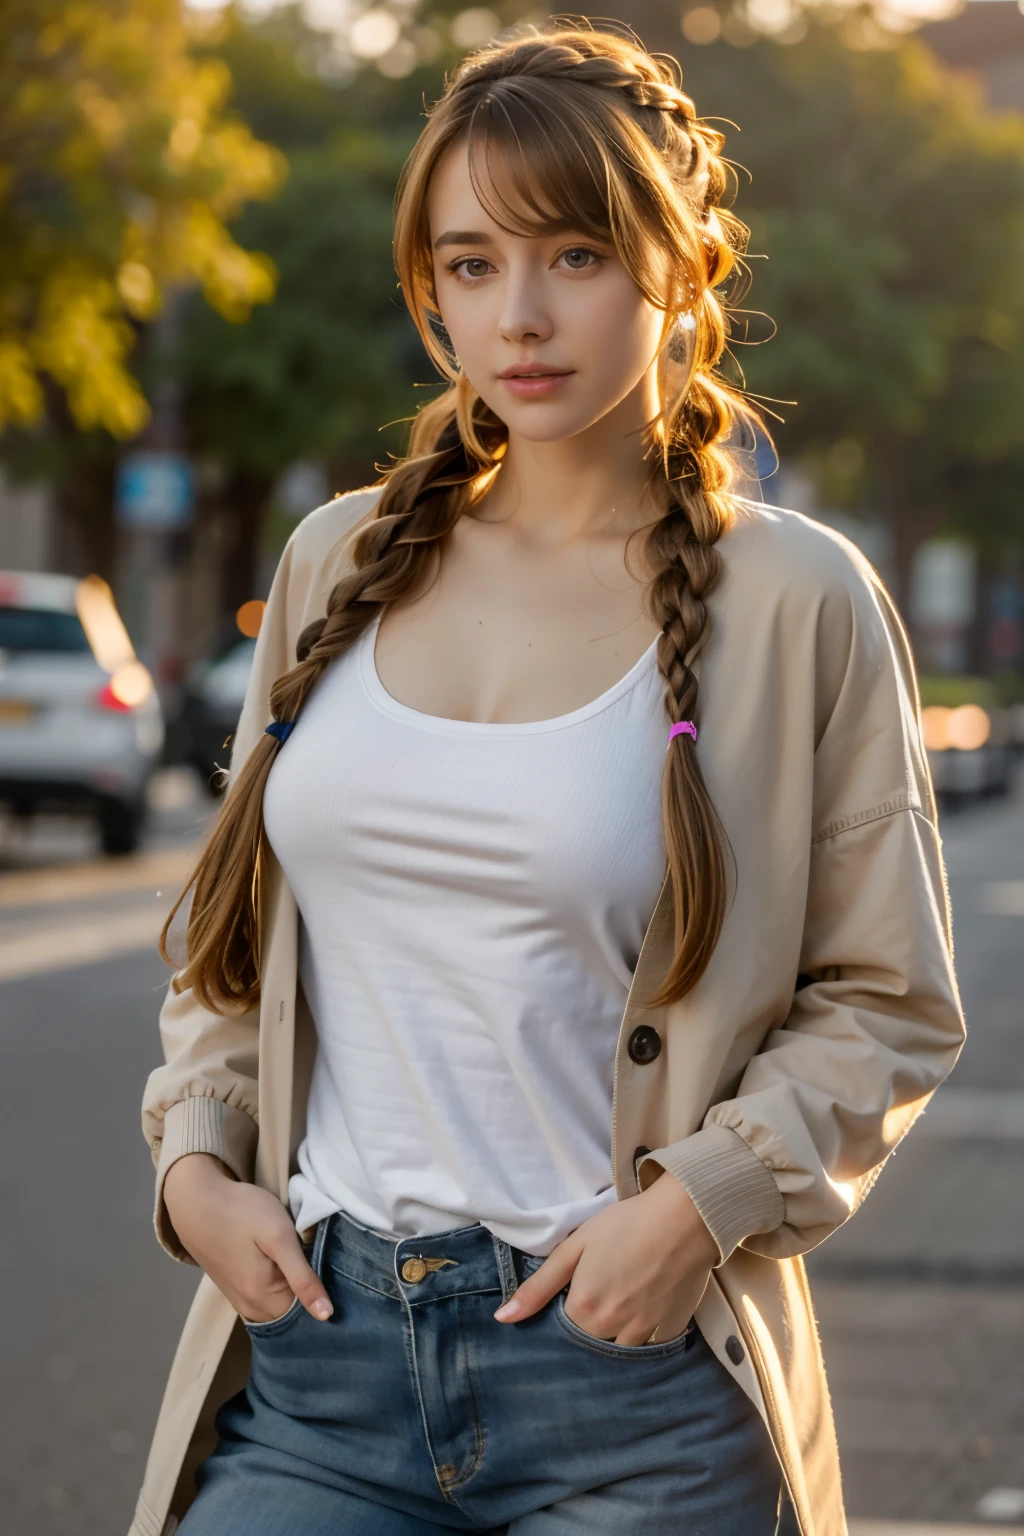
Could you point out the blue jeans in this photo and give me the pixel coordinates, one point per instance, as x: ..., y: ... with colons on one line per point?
x: 413, y: 1411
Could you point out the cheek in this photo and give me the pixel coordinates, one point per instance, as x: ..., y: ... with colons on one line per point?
x: 466, y: 316
x: 620, y: 332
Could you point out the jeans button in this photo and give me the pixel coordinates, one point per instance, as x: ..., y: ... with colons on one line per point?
x: 413, y: 1270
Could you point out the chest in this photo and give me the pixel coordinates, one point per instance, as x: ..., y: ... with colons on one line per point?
x: 505, y: 631
x: 377, y: 808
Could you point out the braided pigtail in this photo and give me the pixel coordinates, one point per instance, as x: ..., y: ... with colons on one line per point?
x: 422, y: 499
x: 681, y: 551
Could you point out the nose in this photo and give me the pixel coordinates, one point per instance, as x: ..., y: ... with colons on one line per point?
x: 524, y: 315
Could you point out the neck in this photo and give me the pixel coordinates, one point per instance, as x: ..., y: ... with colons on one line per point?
x: 591, y: 485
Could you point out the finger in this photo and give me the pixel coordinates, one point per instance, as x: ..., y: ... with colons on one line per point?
x: 537, y: 1289
x: 291, y: 1261
x: 639, y: 1333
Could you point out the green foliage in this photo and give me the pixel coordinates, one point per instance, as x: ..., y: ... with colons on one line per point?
x: 889, y: 206
x: 951, y: 690
x: 335, y: 358
x: 119, y: 171
x: 887, y: 211
x: 320, y: 370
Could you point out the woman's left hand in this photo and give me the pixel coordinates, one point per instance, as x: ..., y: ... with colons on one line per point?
x: 639, y: 1265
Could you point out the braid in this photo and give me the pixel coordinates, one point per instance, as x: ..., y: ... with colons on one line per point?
x: 415, y: 512
x: 681, y: 550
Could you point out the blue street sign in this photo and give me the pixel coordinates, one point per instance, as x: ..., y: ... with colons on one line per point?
x: 155, y: 490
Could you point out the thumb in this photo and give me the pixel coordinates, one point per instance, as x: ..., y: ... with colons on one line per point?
x: 537, y: 1289
x: 302, y: 1278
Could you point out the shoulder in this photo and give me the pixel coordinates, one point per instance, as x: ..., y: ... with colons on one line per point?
x: 314, y: 559
x: 323, y: 530
x: 815, y: 609
x: 772, y: 555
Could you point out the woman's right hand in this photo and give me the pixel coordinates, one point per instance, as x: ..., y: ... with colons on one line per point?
x: 244, y: 1239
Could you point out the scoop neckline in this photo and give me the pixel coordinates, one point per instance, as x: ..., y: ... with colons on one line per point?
x: 444, y: 725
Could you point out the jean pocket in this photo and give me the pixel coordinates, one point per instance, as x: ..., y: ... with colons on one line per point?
x: 276, y: 1324
x: 656, y: 1351
x: 313, y: 1252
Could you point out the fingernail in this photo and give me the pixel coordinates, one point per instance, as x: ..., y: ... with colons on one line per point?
x: 322, y: 1309
x: 508, y: 1310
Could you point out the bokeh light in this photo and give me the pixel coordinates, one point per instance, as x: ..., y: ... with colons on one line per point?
x: 702, y: 25
x: 249, y: 617
x: 131, y: 684
x: 968, y: 727
x: 373, y: 34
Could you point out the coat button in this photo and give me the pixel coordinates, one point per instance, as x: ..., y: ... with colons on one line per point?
x: 413, y: 1270
x: 644, y: 1045
x: 734, y: 1349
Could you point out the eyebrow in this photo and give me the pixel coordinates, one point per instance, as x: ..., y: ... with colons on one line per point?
x: 462, y: 237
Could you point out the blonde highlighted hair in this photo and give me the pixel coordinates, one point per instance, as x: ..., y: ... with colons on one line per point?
x: 592, y: 132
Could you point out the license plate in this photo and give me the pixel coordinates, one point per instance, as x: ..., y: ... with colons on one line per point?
x: 15, y: 712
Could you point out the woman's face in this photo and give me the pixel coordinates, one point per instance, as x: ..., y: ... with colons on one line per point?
x: 551, y: 330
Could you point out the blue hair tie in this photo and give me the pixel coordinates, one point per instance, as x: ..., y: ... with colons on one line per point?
x: 280, y: 730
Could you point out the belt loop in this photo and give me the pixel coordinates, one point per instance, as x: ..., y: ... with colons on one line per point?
x: 506, y: 1268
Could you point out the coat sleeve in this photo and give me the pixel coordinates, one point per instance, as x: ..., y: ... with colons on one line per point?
x: 875, y: 1022
x: 205, y: 1098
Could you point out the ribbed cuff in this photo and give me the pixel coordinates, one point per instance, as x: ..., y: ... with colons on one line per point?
x: 732, y: 1189
x: 201, y: 1124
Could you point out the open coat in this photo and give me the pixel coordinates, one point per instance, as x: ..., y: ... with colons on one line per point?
x: 828, y: 1015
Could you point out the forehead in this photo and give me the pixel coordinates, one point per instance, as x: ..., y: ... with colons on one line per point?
x: 473, y: 187
x: 451, y: 186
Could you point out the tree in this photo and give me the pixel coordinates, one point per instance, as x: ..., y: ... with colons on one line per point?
x: 318, y: 372
x: 889, y: 205
x: 119, y: 170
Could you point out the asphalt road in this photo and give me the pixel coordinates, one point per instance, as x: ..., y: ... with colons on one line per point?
x: 920, y: 1297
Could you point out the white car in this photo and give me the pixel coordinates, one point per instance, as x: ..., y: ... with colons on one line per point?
x: 80, y: 722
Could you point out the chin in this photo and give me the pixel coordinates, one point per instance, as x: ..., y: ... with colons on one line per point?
x: 542, y: 423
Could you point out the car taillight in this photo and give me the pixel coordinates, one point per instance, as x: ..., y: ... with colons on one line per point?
x: 108, y: 699
x: 130, y: 685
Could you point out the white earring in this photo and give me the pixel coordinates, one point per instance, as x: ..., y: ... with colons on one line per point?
x: 680, y: 341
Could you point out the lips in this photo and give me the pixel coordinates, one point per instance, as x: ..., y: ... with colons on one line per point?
x: 534, y: 381
x: 533, y: 371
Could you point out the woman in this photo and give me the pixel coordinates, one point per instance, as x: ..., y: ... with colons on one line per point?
x: 519, y: 1250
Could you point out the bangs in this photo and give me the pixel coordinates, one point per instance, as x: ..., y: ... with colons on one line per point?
x: 541, y: 163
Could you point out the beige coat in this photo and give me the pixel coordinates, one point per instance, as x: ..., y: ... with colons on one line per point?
x: 827, y: 1017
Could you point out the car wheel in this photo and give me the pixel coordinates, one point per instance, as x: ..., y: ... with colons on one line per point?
x: 120, y: 823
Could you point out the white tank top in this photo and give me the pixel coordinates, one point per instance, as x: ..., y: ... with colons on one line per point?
x: 473, y: 901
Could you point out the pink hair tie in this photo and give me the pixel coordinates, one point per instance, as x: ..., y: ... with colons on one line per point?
x: 683, y: 728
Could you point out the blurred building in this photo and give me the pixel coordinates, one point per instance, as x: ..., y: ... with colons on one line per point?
x: 986, y: 39
x: 26, y: 525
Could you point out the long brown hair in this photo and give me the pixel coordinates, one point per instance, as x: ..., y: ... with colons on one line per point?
x: 593, y: 131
